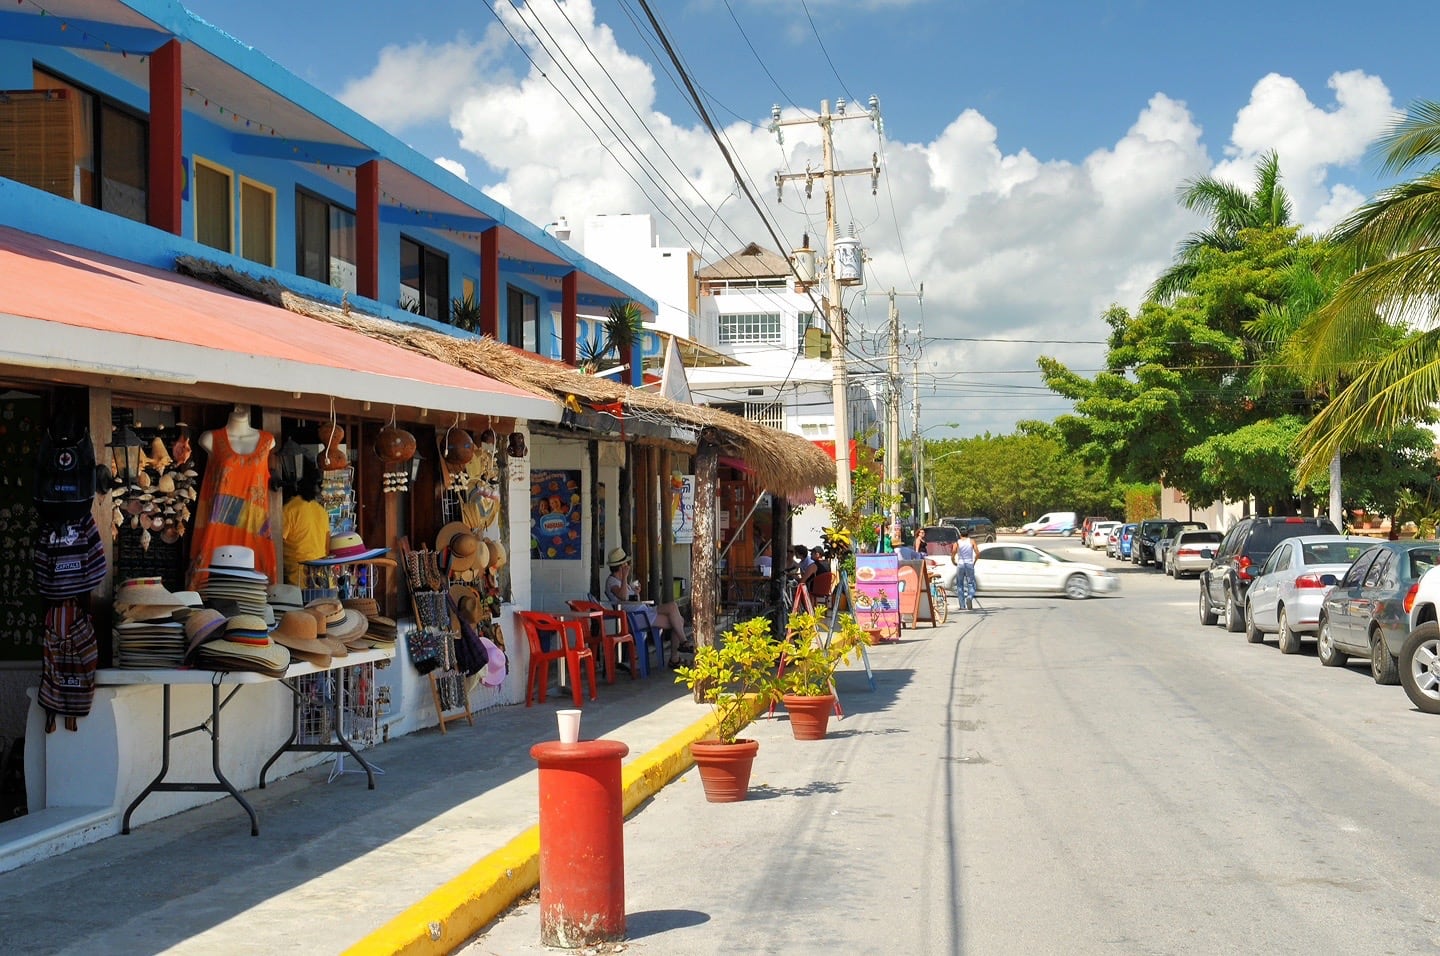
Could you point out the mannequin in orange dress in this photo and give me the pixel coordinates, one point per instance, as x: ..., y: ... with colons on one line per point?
x: 234, y: 506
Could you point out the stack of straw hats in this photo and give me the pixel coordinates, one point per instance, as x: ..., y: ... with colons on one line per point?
x: 342, y: 628
x: 231, y: 576
x: 380, y: 631
x: 149, y: 627
x: 244, y: 644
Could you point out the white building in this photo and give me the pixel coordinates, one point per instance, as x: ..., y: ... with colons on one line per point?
x: 742, y: 307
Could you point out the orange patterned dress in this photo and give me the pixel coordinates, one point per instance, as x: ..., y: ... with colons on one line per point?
x: 234, y: 505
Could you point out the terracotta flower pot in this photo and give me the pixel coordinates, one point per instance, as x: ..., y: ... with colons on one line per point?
x: 724, y: 768
x: 809, y: 716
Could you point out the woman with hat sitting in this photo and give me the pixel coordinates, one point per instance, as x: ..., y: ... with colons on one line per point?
x: 626, y: 594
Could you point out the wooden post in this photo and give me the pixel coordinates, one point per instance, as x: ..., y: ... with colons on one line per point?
x: 270, y: 422
x: 643, y: 525
x: 705, y: 579
x: 598, y: 569
x: 667, y: 528
x: 623, y: 500
x: 779, y: 561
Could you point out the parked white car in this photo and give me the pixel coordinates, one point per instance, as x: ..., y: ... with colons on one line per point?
x: 1419, y: 659
x: 1025, y: 569
x: 1288, y: 591
x: 1190, y: 551
x: 1100, y: 534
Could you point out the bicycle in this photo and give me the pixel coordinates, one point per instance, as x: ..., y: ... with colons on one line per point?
x: 939, y: 600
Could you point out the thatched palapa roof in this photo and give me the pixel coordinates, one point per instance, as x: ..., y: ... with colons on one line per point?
x: 781, y: 462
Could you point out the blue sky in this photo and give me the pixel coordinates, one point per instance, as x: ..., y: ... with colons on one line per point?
x: 1032, y: 149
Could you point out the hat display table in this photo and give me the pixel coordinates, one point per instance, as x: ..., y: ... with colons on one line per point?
x: 235, y: 680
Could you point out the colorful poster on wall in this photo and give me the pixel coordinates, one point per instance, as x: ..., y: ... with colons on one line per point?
x: 682, y: 508
x: 877, y: 595
x: 555, y: 511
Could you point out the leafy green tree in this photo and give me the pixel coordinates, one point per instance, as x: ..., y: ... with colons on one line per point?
x: 1182, y: 373
x: 1012, y: 478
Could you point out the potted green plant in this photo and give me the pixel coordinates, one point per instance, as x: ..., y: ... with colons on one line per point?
x: 807, y: 679
x: 736, y: 677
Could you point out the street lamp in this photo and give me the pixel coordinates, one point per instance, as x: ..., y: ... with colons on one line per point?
x: 562, y: 228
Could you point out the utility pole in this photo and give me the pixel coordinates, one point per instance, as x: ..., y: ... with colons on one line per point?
x: 834, y: 307
x: 916, y: 445
x: 893, y: 394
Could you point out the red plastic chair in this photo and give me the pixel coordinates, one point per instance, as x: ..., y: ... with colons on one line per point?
x: 611, y: 638
x: 822, y: 588
x: 540, y: 659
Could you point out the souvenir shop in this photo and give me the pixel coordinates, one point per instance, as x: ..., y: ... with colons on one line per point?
x: 317, y: 576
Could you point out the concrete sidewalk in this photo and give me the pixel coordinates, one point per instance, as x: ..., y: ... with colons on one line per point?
x: 337, y: 866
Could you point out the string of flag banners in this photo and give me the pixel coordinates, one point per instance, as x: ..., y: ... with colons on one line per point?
x: 209, y: 102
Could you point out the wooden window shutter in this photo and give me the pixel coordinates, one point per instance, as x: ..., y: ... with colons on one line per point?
x: 37, y: 139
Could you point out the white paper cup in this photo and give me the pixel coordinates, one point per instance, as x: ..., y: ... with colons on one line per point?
x: 569, y: 721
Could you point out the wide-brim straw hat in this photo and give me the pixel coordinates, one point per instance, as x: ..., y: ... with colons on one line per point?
x: 461, y: 544
x: 202, y: 625
x: 285, y: 596
x: 352, y: 626
x: 299, y: 632
x: 323, y: 609
x: 617, y: 557
x: 236, y: 561
x: 145, y: 591
x: 499, y: 557
x: 349, y: 548
x: 151, y: 612
x: 268, y: 658
x: 367, y: 606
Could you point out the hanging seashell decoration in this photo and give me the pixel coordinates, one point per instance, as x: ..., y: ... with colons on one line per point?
x: 158, y: 497
x: 395, y: 447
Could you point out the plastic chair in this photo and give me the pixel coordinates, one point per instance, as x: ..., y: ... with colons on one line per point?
x: 821, y: 587
x: 612, y: 638
x: 645, y: 635
x: 540, y: 659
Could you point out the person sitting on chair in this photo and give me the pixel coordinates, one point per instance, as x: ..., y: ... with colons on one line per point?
x: 625, y: 593
x: 805, y: 567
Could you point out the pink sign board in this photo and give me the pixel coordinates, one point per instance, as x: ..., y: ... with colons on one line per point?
x: 877, y: 595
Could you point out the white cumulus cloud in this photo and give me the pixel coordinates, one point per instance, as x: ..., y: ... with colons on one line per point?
x: 1009, y: 245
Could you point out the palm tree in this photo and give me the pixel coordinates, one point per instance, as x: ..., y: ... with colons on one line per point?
x: 624, y: 324
x: 1231, y: 210
x: 1395, y: 243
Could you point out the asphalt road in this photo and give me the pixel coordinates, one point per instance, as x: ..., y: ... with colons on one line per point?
x: 1053, y: 776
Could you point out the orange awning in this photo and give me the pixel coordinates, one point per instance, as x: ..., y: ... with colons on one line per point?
x: 63, y: 307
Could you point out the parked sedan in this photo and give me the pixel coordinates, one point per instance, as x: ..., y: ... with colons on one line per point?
x: 1287, y: 593
x: 1100, y: 534
x: 1368, y: 612
x: 1026, y: 569
x: 1190, y: 552
x: 1125, y: 541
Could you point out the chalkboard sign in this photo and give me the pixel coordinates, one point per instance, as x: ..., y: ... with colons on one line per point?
x: 22, y: 612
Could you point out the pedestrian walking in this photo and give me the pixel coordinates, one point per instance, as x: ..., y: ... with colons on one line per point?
x: 965, y: 554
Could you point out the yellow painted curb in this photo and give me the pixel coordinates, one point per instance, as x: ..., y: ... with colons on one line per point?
x: 445, y: 918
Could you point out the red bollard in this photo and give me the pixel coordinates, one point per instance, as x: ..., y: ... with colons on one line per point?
x: 582, y: 848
